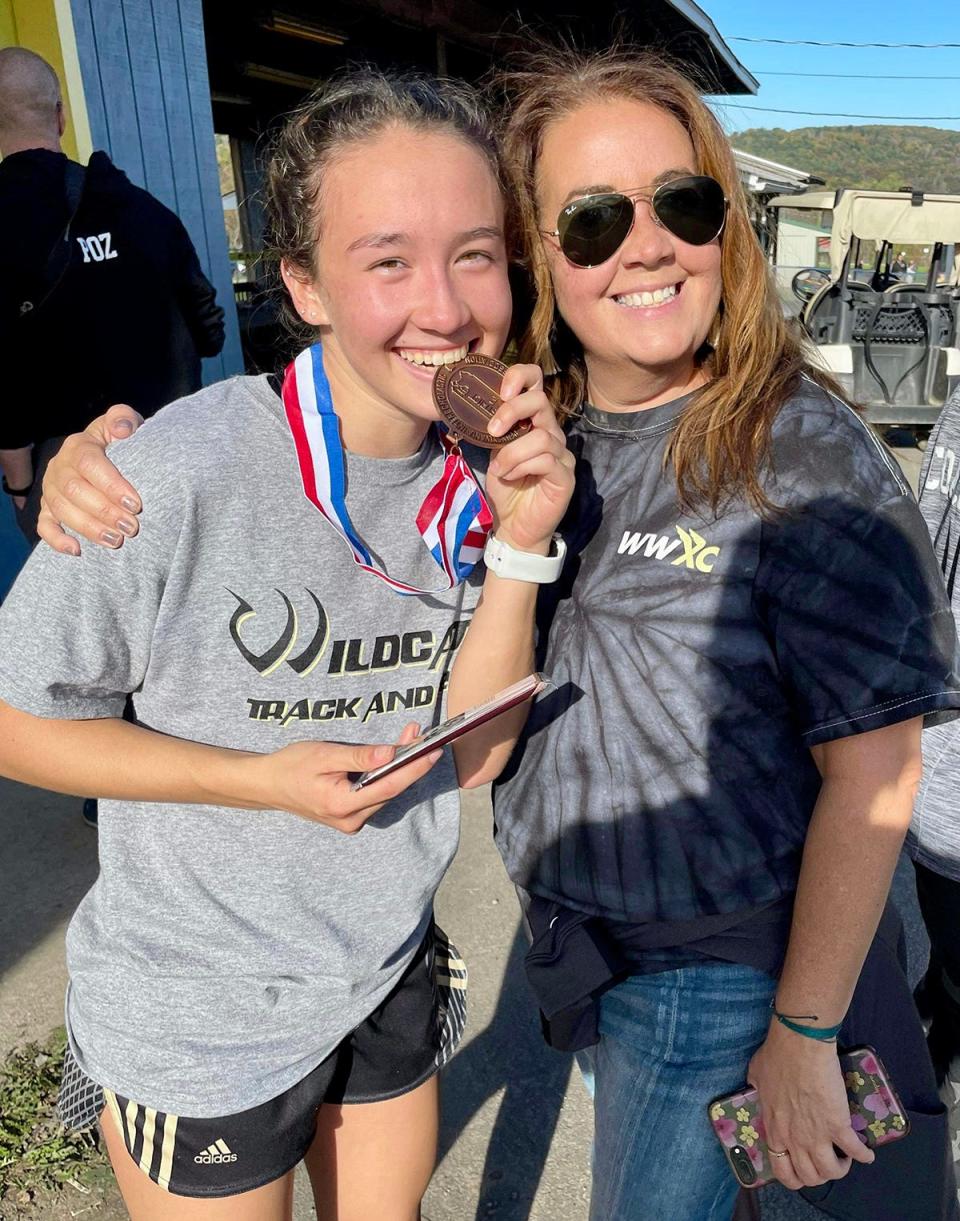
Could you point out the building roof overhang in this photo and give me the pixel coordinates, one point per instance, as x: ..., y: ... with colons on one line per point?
x: 678, y: 26
x: 761, y: 176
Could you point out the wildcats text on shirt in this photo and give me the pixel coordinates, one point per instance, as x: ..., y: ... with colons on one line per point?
x: 300, y: 640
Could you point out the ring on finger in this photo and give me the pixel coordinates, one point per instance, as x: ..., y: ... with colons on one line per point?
x: 778, y: 1152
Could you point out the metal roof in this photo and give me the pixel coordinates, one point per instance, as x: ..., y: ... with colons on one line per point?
x: 697, y: 17
x: 763, y: 177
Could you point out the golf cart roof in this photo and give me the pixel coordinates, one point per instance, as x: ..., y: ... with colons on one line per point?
x: 892, y: 216
x: 881, y: 216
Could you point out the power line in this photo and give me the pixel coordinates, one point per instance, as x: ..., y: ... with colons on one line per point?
x: 858, y: 76
x: 811, y: 42
x: 834, y: 114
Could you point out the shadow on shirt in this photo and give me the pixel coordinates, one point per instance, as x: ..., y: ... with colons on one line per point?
x: 695, y: 796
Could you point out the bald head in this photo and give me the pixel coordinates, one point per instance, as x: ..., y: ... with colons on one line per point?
x: 31, y: 113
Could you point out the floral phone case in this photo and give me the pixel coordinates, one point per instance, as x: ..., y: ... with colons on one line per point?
x: 876, y: 1115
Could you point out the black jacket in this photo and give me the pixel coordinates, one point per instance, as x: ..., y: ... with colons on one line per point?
x: 911, y: 1179
x: 131, y: 312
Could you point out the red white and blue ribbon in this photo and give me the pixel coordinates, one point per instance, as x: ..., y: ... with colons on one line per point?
x: 454, y: 519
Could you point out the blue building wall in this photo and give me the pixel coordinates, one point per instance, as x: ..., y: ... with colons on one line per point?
x: 144, y: 72
x: 13, y: 546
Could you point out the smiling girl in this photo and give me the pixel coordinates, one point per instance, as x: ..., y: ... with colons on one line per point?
x: 252, y: 975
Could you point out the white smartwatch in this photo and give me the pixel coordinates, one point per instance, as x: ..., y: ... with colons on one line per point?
x: 514, y: 565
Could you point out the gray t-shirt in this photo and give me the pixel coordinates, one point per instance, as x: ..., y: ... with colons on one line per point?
x: 221, y: 953
x: 934, y: 836
x: 669, y: 776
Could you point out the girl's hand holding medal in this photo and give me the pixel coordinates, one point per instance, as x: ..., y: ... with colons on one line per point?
x: 529, y: 480
x: 530, y: 477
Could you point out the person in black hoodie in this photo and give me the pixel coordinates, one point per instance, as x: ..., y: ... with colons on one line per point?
x: 102, y: 298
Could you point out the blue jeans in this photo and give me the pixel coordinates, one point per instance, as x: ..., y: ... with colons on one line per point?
x: 669, y: 1044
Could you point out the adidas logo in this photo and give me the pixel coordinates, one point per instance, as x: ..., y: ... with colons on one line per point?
x: 215, y: 1154
x: 696, y: 554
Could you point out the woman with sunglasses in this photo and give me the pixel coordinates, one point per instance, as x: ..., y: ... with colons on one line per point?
x: 749, y: 633
x: 255, y: 977
x: 745, y: 640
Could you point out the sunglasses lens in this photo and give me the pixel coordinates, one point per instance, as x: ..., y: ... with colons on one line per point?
x: 693, y: 209
x: 593, y: 230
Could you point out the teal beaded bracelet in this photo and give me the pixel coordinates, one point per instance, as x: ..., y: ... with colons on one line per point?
x: 822, y: 1034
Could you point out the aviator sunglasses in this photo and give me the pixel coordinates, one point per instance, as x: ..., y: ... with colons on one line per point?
x: 592, y: 229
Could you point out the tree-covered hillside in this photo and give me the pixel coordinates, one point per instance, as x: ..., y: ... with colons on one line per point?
x: 877, y: 157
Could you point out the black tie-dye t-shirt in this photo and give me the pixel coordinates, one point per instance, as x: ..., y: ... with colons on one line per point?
x: 668, y: 778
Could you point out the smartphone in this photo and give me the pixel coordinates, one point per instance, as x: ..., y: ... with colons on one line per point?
x: 458, y: 725
x: 876, y: 1115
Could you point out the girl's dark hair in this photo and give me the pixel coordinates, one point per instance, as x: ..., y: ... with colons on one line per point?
x: 353, y: 105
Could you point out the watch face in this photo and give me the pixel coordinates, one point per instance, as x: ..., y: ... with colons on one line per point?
x: 467, y: 396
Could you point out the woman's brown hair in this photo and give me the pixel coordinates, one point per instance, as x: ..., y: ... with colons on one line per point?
x: 755, y: 359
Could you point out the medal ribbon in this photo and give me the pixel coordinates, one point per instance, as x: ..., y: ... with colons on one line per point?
x: 454, y: 519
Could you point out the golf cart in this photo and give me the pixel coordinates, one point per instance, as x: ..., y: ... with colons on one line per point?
x: 891, y: 343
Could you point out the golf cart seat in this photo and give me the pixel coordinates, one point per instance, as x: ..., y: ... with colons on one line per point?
x: 824, y: 313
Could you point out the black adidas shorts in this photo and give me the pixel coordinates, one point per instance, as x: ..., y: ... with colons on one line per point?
x: 411, y: 1035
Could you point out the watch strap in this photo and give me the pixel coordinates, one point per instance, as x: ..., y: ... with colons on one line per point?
x: 17, y: 491
x: 513, y: 565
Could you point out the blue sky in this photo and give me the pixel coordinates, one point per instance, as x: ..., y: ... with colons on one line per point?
x: 876, y: 93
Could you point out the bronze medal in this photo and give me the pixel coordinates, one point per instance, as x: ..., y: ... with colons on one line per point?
x: 467, y: 396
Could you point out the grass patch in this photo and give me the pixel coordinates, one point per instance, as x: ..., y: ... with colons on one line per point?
x: 36, y: 1152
